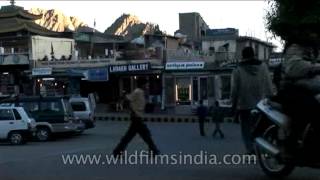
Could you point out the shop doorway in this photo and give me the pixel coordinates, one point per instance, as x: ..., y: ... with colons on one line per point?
x: 183, y: 91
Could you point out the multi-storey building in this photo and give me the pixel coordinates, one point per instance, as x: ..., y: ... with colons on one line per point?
x: 17, y: 48
x: 193, y: 25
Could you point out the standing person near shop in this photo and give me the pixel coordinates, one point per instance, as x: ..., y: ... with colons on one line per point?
x: 137, y: 108
x: 217, y: 116
x: 251, y: 82
x: 202, y: 112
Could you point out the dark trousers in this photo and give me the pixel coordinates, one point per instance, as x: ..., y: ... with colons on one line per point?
x: 136, y: 126
x: 247, y: 126
x: 300, y: 104
x: 201, y: 126
x: 217, y: 130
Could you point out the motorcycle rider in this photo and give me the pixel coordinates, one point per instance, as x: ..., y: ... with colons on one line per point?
x: 298, y: 87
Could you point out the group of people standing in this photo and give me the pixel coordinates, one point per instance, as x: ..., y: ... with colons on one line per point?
x: 251, y: 82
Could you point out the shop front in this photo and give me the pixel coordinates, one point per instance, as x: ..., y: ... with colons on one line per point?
x: 123, y: 78
x: 186, y: 83
x: 52, y: 82
x: 12, y: 77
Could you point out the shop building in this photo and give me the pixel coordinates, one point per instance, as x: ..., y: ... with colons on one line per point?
x: 17, y: 28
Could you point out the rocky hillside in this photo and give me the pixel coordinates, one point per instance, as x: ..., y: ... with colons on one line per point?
x: 55, y: 20
x: 131, y: 27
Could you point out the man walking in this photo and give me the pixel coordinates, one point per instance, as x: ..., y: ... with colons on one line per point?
x: 137, y: 107
x: 251, y: 82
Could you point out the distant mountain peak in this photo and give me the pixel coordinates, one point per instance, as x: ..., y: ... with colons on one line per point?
x: 56, y: 20
x: 130, y: 27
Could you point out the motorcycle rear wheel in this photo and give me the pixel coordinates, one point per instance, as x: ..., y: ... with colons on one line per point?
x: 269, y: 163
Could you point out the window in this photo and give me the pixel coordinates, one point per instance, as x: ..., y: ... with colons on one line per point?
x: 226, y: 86
x: 16, y: 114
x: 203, y: 33
x: 29, y: 106
x: 203, y: 88
x: 169, y: 90
x: 78, y: 106
x: 183, y: 89
x: 211, y: 50
x: 55, y: 106
x: 6, y: 115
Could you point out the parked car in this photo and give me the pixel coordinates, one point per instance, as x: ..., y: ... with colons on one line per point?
x: 51, y: 115
x: 83, y: 110
x: 16, y: 126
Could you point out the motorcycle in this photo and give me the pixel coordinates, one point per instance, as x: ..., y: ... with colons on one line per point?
x: 271, y: 132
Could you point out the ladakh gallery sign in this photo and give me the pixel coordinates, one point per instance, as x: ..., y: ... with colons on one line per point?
x: 129, y: 68
x: 184, y: 65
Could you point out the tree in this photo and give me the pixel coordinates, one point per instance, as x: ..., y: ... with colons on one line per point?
x: 295, y: 20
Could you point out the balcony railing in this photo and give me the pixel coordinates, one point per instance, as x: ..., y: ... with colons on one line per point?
x: 14, y: 59
x: 225, y: 56
x: 140, y: 54
x: 180, y: 55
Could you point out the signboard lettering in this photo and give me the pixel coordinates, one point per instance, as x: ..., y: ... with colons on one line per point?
x: 129, y: 68
x: 184, y: 65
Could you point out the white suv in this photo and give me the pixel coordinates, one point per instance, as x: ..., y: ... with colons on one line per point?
x: 83, y: 110
x: 15, y: 125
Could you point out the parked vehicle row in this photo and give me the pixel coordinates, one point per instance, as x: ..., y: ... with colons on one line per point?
x: 16, y: 125
x: 42, y: 117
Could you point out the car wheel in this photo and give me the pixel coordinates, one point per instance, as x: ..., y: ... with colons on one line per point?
x: 16, y: 138
x: 43, y: 134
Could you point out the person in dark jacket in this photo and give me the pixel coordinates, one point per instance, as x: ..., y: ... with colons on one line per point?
x: 251, y: 82
x: 299, y: 84
x: 217, y: 116
x: 202, y: 112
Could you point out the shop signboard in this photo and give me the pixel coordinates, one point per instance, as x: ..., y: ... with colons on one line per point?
x: 98, y: 74
x: 184, y: 65
x: 41, y: 71
x: 15, y: 59
x: 129, y: 67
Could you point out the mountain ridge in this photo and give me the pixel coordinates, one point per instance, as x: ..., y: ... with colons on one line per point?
x: 56, y: 20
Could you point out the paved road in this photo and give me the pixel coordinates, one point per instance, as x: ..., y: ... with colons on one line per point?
x: 44, y: 160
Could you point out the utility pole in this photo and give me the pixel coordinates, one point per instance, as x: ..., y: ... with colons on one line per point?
x: 91, y: 39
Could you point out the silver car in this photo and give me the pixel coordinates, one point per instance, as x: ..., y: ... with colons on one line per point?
x: 83, y: 110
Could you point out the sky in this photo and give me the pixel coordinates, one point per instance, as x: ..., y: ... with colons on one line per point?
x: 247, y: 16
